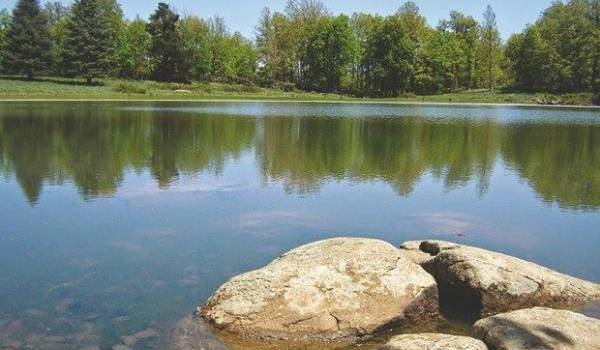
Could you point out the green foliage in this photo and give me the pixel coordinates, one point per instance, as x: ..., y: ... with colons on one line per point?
x: 86, y: 49
x: 489, y: 50
x: 27, y: 44
x: 466, y: 30
x: 391, y: 56
x: 113, y: 18
x: 329, y: 53
x: 214, y: 54
x: 128, y: 88
x: 4, y: 23
x: 133, y: 49
x: 444, y: 64
x: 560, y: 51
x: 166, y: 49
x: 197, y: 47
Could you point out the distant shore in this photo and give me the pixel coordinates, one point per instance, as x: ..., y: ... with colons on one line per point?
x: 58, y: 89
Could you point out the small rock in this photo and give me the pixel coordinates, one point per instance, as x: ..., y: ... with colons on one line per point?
x: 412, y: 249
x: 10, y: 328
x: 121, y: 347
x: 34, y: 313
x: 131, y: 340
x: 485, y: 283
x: 539, y: 329
x: 433, y: 341
x: 341, y: 290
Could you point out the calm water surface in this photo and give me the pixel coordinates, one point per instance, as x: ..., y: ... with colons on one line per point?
x: 118, y: 218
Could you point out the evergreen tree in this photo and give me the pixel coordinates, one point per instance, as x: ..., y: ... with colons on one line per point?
x: 4, y: 22
x: 166, y: 49
x: 27, y: 43
x: 86, y: 50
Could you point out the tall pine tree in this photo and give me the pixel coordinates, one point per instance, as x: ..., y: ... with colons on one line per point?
x: 167, y: 46
x: 27, y: 44
x: 86, y: 50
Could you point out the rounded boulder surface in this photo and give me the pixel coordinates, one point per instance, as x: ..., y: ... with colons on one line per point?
x: 539, y: 329
x: 433, y: 341
x: 343, y: 289
x: 487, y: 283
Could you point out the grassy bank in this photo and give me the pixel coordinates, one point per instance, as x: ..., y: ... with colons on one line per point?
x: 111, y: 89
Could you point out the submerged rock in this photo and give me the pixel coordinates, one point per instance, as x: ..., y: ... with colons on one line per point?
x: 342, y: 290
x: 131, y: 340
x: 485, y: 283
x: 432, y: 341
x: 192, y: 333
x: 539, y: 329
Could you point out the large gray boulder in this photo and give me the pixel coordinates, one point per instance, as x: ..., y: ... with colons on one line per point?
x: 433, y: 341
x: 342, y: 290
x: 487, y: 283
x: 539, y: 329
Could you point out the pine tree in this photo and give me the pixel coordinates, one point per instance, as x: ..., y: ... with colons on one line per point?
x: 167, y: 46
x: 4, y: 23
x: 86, y: 50
x: 27, y: 44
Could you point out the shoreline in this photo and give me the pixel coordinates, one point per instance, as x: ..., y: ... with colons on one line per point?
x: 303, y: 101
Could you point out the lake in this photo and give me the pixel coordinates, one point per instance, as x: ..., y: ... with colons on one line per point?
x: 121, y: 217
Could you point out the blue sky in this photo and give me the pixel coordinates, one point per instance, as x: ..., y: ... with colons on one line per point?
x: 242, y: 15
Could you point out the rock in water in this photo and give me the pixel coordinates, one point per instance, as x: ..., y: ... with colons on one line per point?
x: 433, y: 342
x: 194, y: 334
x: 539, y: 329
x: 487, y: 283
x: 342, y: 290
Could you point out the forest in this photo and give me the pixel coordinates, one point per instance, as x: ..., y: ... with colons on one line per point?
x: 307, y: 47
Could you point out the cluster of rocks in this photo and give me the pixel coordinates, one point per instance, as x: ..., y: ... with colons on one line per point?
x: 348, y: 290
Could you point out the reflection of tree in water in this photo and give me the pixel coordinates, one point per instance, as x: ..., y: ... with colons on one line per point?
x: 307, y: 152
x: 561, y: 162
x: 95, y: 148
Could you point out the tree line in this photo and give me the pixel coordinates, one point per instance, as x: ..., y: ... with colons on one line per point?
x: 309, y: 48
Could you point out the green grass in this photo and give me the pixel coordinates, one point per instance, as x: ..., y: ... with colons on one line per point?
x: 114, y: 89
x: 59, y: 88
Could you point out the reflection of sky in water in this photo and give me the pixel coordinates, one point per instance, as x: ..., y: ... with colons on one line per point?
x: 500, y: 113
x: 144, y: 255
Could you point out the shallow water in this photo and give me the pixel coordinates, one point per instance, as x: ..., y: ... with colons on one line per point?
x: 117, y: 218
